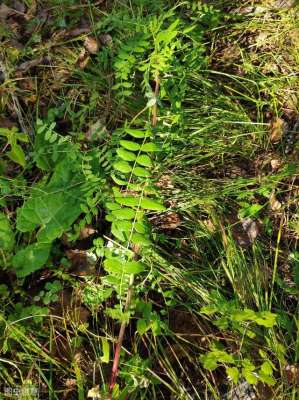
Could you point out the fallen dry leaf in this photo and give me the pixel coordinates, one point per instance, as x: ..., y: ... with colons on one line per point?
x: 91, y: 45
x: 275, y: 205
x: 86, y: 232
x: 251, y: 228
x: 167, y: 221
x: 292, y: 373
x: 96, y: 131
x: 18, y: 6
x: 5, y: 12
x: 27, y: 65
x: 277, y: 128
x: 94, y: 393
x: 31, y: 12
x: 82, y: 262
x: 275, y: 164
x: 83, y: 59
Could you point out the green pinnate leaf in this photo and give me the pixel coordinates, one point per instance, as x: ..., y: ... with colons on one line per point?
x: 129, y: 145
x: 122, y: 166
x: 128, y: 201
x: 126, y: 155
x: 150, y: 204
x: 150, y: 147
x: 144, y: 160
x: 134, y: 267
x: 113, y: 265
x: 142, y: 240
x: 141, y: 172
x: 118, y: 181
x: 137, y: 133
x: 124, y: 213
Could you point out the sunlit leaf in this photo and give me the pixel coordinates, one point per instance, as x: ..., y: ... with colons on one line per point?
x: 122, y: 166
x: 129, y: 145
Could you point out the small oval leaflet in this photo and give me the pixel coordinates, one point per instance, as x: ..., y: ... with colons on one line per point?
x: 150, y: 147
x: 118, y: 181
x: 150, y: 204
x: 124, y: 213
x: 129, y: 145
x: 137, y: 133
x: 134, y: 267
x: 141, y: 172
x: 113, y: 265
x: 139, y: 239
x: 128, y: 201
x: 144, y: 160
x: 122, y: 166
x: 126, y: 155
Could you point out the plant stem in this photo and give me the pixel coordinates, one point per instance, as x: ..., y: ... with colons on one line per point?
x: 114, y: 371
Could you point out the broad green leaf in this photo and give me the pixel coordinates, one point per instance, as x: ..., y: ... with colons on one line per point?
x: 124, y: 213
x: 53, y: 207
x: 150, y: 204
x: 128, y: 201
x: 7, y: 237
x: 149, y: 147
x: 137, y: 133
x: 105, y: 350
x: 144, y: 160
x: 125, y: 154
x: 233, y: 374
x: 134, y: 267
x: 31, y: 259
x: 129, y: 145
x: 17, y: 155
x: 122, y: 166
x: 141, y: 172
